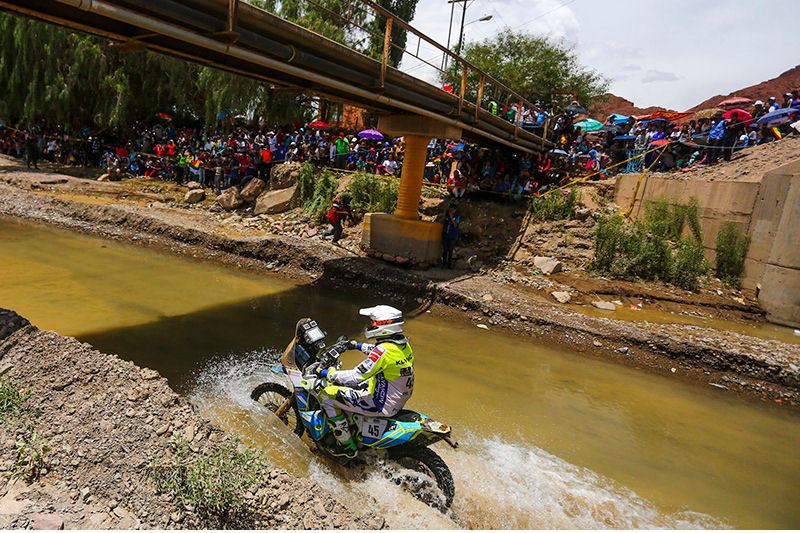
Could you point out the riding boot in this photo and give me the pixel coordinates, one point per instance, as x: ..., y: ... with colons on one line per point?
x: 341, y: 431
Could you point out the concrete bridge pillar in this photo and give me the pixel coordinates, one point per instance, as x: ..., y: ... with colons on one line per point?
x: 402, y: 235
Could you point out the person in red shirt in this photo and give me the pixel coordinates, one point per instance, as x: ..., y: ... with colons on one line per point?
x: 264, y: 164
x: 340, y: 209
x: 159, y: 149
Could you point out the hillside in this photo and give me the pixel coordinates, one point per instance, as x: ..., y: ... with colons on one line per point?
x: 778, y: 86
x: 611, y: 103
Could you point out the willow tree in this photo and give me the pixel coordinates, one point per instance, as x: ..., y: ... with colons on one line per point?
x: 405, y: 10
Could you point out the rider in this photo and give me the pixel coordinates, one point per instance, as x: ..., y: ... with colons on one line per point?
x: 379, y: 386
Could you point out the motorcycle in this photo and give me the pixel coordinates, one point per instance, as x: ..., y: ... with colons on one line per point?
x: 404, y: 438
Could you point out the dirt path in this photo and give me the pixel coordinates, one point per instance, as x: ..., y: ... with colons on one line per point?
x: 510, y: 295
x: 105, y: 420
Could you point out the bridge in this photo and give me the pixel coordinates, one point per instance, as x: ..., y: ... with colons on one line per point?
x: 243, y: 39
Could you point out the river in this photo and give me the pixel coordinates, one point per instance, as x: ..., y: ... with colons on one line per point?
x: 550, y: 439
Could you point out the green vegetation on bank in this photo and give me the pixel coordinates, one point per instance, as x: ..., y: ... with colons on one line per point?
x: 731, y: 250
x: 215, y: 482
x: 371, y: 193
x: 652, y: 249
x: 11, y: 400
x: 555, y: 206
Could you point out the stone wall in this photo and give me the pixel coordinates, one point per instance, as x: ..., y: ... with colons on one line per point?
x: 767, y: 207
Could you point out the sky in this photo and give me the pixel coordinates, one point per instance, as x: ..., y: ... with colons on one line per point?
x: 671, y: 53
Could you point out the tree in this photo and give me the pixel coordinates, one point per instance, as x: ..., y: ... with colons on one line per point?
x: 535, y: 67
x: 405, y: 10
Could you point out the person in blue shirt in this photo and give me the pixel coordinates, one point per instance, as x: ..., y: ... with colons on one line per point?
x: 715, y: 140
x: 450, y: 232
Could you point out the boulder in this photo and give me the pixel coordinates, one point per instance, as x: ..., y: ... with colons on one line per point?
x: 253, y: 188
x: 49, y: 521
x: 194, y: 185
x: 607, y: 306
x: 230, y: 198
x: 279, y: 201
x: 561, y: 297
x: 547, y: 265
x: 194, y: 196
x: 583, y: 214
x: 284, y: 175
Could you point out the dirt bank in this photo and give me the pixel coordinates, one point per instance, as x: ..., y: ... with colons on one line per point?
x: 105, y: 420
x: 509, y: 295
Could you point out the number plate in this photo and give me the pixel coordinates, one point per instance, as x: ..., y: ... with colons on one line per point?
x: 373, y: 428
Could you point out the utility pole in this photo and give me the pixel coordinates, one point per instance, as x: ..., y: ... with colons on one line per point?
x: 450, y: 30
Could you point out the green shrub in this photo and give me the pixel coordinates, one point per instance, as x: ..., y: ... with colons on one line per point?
x: 305, y: 182
x: 31, y: 452
x: 318, y: 204
x: 11, y: 400
x: 642, y: 251
x: 731, y: 250
x: 373, y: 194
x: 214, y: 483
x: 667, y: 220
x: 690, y: 264
x: 558, y: 205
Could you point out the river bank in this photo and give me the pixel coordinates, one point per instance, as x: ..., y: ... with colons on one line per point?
x: 492, y: 298
x: 105, y: 421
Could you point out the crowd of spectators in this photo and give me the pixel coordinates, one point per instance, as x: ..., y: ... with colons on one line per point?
x: 220, y: 159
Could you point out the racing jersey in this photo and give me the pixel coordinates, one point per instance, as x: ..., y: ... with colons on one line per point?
x: 387, y: 374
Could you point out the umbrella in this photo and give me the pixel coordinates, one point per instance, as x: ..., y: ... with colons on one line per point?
x: 457, y: 148
x: 736, y: 101
x: 709, y: 113
x: 611, y: 127
x: 576, y: 109
x: 781, y: 116
x: 319, y: 125
x: 589, y: 124
x: 558, y: 152
x: 624, y: 138
x: 660, y: 142
x: 372, y: 135
x: 739, y: 115
x: 620, y: 119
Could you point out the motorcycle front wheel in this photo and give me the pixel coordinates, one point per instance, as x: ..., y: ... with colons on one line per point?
x: 272, y: 396
x: 427, y: 462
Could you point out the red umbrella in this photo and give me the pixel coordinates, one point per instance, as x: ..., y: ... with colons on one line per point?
x: 319, y: 125
x: 659, y: 142
x: 739, y: 115
x: 736, y: 101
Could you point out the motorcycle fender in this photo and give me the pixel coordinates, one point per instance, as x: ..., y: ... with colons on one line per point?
x: 296, y: 377
x: 315, y: 422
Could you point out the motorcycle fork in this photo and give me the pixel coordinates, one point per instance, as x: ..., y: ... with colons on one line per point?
x: 285, y: 406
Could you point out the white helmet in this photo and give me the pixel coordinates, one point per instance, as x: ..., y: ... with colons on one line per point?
x: 386, y: 321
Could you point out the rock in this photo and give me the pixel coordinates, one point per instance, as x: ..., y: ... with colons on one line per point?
x: 194, y: 196
x: 193, y: 185
x: 284, y: 175
x: 616, y: 302
x: 483, y: 326
x: 623, y: 349
x: 488, y: 298
x: 104, y: 177
x: 253, y: 188
x: 561, y: 297
x: 230, y: 199
x: 163, y: 429
x: 279, y: 201
x: 597, y: 344
x: 583, y: 214
x: 608, y: 306
x: 85, y: 493
x: 547, y: 265
x: 46, y: 521
x: 311, y: 232
x: 400, y: 260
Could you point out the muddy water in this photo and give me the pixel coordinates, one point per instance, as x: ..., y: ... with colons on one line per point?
x: 549, y: 439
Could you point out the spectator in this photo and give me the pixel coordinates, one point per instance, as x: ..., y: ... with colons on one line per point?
x: 450, y: 233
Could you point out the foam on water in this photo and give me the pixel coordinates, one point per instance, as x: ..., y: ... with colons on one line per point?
x: 499, y: 484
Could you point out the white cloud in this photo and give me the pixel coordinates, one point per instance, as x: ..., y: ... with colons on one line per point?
x: 659, y: 76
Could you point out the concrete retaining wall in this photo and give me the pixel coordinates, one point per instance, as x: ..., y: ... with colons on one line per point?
x: 766, y: 207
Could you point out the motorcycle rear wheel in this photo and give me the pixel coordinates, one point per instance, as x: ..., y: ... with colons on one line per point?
x: 428, y: 462
x: 272, y: 396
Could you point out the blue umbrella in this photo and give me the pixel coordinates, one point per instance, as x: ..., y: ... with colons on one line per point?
x: 780, y: 116
x: 620, y: 119
x: 458, y: 148
x: 624, y: 138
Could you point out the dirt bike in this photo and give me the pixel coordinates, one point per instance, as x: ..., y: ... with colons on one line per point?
x: 404, y: 438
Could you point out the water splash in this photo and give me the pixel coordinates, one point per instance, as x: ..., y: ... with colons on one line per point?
x: 499, y: 485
